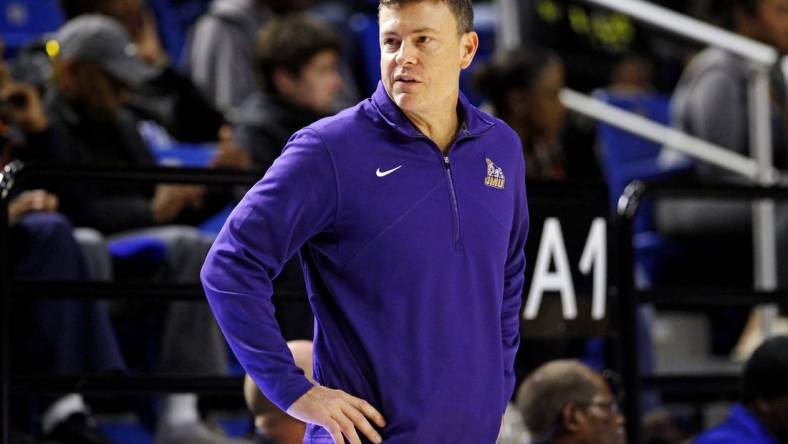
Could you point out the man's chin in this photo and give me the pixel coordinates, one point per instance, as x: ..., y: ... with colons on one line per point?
x: 407, y: 101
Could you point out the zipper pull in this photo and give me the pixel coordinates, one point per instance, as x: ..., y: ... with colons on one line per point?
x: 446, y: 161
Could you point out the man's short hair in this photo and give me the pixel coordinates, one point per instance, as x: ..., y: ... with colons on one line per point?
x: 290, y: 42
x: 764, y: 373
x: 544, y: 394
x: 462, y: 10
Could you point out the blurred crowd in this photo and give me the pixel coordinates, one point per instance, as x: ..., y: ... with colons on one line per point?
x: 250, y: 74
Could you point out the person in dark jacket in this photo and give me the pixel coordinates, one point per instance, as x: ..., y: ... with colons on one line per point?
x: 168, y: 97
x: 95, y: 64
x: 297, y: 69
x: 297, y: 66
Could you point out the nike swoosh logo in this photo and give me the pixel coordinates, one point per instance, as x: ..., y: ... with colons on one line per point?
x: 387, y: 172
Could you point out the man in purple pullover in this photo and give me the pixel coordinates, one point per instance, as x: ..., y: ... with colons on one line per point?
x: 409, y: 214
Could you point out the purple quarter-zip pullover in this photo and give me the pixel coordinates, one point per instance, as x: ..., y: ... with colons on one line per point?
x: 414, y: 264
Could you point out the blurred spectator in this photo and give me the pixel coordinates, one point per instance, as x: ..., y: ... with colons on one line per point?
x: 94, y: 69
x: 711, y: 102
x: 85, y: 106
x: 272, y: 425
x: 523, y: 87
x: 69, y: 337
x: 297, y: 65
x: 168, y: 97
x: 762, y: 416
x: 221, y: 47
x: 566, y: 402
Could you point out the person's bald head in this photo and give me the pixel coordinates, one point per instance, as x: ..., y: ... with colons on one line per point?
x: 567, y: 401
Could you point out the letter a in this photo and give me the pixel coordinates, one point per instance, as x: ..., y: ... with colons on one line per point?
x: 552, y: 247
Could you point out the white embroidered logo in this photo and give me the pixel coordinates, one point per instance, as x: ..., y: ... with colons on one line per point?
x: 387, y: 172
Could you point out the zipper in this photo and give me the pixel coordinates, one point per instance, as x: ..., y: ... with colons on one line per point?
x: 453, y: 194
x: 463, y: 134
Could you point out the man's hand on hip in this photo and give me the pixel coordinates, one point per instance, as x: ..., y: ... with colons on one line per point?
x: 339, y: 413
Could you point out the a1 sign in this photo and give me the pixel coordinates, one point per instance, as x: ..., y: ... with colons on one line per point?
x: 552, y: 250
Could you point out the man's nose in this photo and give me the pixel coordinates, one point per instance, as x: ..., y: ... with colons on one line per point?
x: 406, y: 55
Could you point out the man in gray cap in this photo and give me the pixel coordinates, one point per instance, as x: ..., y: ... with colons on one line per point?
x: 95, y: 64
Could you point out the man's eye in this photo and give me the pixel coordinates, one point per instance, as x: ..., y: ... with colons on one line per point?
x: 424, y: 39
x: 389, y: 43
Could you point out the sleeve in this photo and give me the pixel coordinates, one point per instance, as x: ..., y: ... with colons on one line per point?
x: 295, y: 200
x: 514, y: 279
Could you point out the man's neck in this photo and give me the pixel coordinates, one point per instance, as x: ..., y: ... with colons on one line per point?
x: 440, y: 127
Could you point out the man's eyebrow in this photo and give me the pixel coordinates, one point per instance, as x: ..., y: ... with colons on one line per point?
x: 413, y: 31
x: 422, y: 30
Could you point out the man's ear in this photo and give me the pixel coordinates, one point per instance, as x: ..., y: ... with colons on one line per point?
x: 569, y: 417
x: 469, y: 44
x: 283, y: 81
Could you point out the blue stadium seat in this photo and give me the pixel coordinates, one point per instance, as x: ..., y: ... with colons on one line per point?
x: 627, y: 157
x: 142, y: 248
x: 23, y: 21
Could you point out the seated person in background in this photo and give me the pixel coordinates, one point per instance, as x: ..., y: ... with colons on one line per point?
x: 65, y: 337
x: 167, y: 97
x: 59, y: 337
x: 272, y: 425
x: 220, y: 47
x: 297, y: 65
x: 711, y: 103
x: 762, y: 416
x: 94, y: 67
x: 566, y: 402
x: 523, y: 86
x: 86, y: 108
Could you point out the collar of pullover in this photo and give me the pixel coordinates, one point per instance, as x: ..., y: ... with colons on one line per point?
x: 474, y: 121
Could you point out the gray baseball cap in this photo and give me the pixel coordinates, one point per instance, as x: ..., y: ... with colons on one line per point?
x: 102, y: 40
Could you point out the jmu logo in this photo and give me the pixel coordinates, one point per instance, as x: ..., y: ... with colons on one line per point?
x: 495, y: 177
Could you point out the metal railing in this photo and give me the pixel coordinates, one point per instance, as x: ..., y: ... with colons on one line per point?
x: 629, y: 296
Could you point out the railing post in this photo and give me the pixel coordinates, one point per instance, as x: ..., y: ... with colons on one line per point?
x: 763, y: 211
x: 5, y: 315
x: 627, y: 302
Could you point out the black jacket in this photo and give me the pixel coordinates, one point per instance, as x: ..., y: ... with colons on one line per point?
x: 108, y: 207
